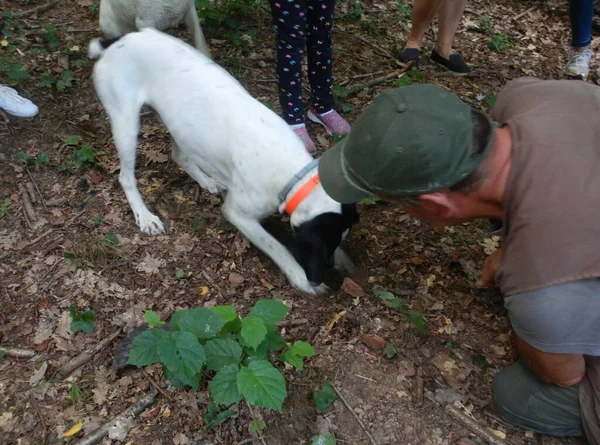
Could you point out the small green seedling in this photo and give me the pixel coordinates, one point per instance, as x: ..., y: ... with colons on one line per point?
x: 152, y: 319
x: 414, y: 317
x: 325, y: 397
x: 82, y: 321
x: 323, y: 439
x: 110, y: 239
x: 215, y: 416
x: 179, y: 274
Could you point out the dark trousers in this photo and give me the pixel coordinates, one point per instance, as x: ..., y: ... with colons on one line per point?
x: 582, y: 13
x: 303, y: 25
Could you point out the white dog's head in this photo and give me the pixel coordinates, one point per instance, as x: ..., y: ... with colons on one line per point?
x: 317, y: 239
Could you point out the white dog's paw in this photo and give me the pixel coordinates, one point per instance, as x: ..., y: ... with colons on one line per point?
x: 212, y: 186
x: 150, y: 224
x: 321, y: 290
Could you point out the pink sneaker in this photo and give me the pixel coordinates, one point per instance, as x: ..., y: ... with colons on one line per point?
x: 332, y: 121
x: 305, y: 138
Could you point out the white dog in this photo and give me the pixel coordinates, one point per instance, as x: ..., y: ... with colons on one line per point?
x: 227, y: 141
x: 119, y: 17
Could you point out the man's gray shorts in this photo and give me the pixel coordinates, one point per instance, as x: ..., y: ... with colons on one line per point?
x: 525, y: 401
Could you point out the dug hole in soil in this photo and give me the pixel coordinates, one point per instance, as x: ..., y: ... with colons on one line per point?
x: 59, y: 259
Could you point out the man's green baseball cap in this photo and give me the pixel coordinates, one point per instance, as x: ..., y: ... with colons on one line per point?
x: 410, y: 141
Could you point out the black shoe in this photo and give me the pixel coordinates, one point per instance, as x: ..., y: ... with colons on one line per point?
x: 455, y: 63
x: 409, y: 55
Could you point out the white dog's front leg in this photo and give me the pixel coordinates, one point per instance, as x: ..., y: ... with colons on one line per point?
x: 125, y: 138
x: 264, y: 241
x: 342, y: 261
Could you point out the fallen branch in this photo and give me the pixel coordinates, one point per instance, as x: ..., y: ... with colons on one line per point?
x: 31, y: 191
x: 381, y: 79
x: 37, y: 10
x: 37, y: 188
x: 67, y: 369
x: 362, y: 425
x: 157, y: 386
x: 473, y: 426
x: 376, y: 47
x: 527, y: 11
x: 294, y: 322
x: 418, y: 400
x: 132, y: 412
x: 35, y: 240
x: 27, y: 205
x: 17, y: 352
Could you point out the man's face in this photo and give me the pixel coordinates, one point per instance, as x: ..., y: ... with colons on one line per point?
x: 440, y: 209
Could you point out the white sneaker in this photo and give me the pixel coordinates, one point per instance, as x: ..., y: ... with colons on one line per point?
x: 13, y: 104
x: 579, y: 64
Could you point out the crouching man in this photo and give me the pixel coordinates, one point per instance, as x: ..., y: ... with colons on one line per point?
x: 535, y: 165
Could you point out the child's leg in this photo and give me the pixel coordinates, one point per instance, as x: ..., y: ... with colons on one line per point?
x: 581, y: 12
x: 319, y: 49
x: 289, y: 21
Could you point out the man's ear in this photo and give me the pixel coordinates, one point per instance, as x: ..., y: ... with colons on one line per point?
x: 438, y: 203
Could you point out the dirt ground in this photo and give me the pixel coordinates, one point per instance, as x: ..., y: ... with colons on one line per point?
x: 62, y: 258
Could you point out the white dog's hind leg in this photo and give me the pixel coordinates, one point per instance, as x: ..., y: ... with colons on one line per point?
x: 125, y: 130
x: 342, y: 261
x: 264, y: 241
x: 205, y: 181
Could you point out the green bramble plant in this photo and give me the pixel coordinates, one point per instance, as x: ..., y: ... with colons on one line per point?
x: 236, y: 349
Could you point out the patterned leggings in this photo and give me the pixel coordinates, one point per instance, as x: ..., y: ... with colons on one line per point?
x: 303, y: 25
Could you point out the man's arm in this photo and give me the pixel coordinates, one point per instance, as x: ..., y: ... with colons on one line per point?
x: 563, y: 370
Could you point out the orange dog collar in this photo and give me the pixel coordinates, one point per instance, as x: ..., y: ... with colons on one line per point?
x: 302, y: 193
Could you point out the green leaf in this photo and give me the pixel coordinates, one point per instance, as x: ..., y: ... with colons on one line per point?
x: 303, y: 349
x: 417, y: 320
x: 1, y: 354
x: 293, y: 359
x: 403, y: 81
x: 323, y: 439
x: 214, y: 416
x: 275, y: 341
x: 253, y: 331
x: 389, y: 351
x: 177, y: 382
x: 201, y: 322
x: 179, y: 274
x: 221, y: 352
x: 262, y: 384
x: 110, y: 238
x: 152, y: 319
x: 271, y: 311
x: 183, y: 356
x: 324, y: 398
x: 144, y: 351
x: 82, y: 322
x: 73, y: 140
x: 224, y: 386
x: 233, y: 323
x: 97, y: 219
x: 257, y: 427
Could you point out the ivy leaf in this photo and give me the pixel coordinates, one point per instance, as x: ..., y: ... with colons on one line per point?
x: 324, y: 398
x: 303, y: 349
x: 152, y: 319
x: 201, y: 322
x: 183, y: 356
x: 262, y: 385
x: 323, y: 439
x: 144, y: 351
x: 82, y: 322
x: 224, y: 386
x: 293, y: 359
x: 253, y: 331
x: 221, y: 352
x: 233, y: 324
x: 271, y: 311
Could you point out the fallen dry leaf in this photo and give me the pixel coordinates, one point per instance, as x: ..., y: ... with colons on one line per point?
x: 73, y: 430
x: 334, y: 320
x: 39, y: 374
x: 95, y: 177
x: 235, y: 278
x: 352, y: 289
x: 496, y: 433
x: 416, y: 260
x: 203, y: 291
x: 373, y: 341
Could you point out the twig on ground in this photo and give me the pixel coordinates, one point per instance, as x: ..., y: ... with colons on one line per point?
x: 356, y: 88
x: 527, y: 11
x: 56, y: 202
x: 256, y: 416
x: 360, y: 422
x: 50, y: 269
x: 39, y: 413
x: 27, y: 205
x: 133, y: 411
x: 38, y: 189
x: 250, y: 440
x: 37, y: 10
x: 67, y: 369
x: 31, y: 191
x: 212, y: 282
x: 473, y: 426
x: 361, y: 76
x: 418, y: 395
x: 375, y: 47
x: 81, y: 30
x: 157, y: 386
x: 35, y: 240
x: 294, y: 322
x: 17, y: 352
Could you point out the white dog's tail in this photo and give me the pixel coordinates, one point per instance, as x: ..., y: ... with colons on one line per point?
x: 97, y: 47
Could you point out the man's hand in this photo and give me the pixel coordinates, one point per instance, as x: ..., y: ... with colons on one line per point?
x: 491, y: 265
